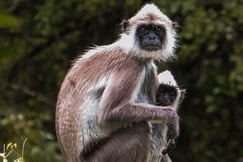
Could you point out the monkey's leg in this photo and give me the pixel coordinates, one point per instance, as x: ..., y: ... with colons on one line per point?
x: 159, y: 143
x: 131, y: 144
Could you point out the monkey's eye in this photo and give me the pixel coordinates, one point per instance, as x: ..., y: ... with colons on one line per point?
x: 143, y: 30
x: 172, y: 93
x: 158, y: 28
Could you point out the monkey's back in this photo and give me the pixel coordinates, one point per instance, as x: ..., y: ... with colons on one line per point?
x: 79, y: 98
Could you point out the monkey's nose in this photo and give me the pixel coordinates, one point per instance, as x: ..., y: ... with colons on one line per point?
x: 152, y: 37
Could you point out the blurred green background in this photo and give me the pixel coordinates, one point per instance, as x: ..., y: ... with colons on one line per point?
x: 40, y: 38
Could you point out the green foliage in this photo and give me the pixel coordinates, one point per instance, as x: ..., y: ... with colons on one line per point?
x: 39, y: 39
x: 210, y: 67
x: 8, y: 21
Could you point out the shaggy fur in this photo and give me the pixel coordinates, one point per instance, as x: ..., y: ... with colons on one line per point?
x: 103, y: 111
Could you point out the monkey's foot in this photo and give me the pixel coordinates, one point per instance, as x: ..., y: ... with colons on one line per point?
x: 171, y: 146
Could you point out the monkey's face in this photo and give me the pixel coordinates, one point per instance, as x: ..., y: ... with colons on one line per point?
x: 169, y: 95
x: 166, y: 95
x: 150, y: 37
x: 149, y: 34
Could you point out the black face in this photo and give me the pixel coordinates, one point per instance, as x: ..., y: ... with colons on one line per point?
x: 166, y: 95
x: 150, y: 36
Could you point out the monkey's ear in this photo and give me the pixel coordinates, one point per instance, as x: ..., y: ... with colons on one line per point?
x: 174, y: 25
x: 124, y: 25
x: 183, y: 93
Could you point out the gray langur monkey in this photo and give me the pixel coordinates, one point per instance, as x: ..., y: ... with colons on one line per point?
x: 168, y: 94
x: 103, y: 111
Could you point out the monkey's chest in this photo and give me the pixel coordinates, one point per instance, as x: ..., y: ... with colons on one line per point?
x: 147, y: 89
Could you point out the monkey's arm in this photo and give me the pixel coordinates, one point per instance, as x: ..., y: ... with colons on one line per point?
x: 117, y: 102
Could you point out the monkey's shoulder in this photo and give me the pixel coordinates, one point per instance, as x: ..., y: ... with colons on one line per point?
x: 107, y: 59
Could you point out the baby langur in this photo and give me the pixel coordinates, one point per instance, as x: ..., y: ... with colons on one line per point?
x: 105, y: 107
x: 169, y: 94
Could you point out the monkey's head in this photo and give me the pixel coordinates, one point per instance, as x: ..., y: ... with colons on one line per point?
x: 168, y: 92
x: 168, y: 95
x: 149, y: 34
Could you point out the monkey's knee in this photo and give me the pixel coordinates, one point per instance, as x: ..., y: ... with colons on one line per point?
x: 131, y: 144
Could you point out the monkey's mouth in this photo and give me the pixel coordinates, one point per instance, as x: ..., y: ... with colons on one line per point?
x: 151, y: 47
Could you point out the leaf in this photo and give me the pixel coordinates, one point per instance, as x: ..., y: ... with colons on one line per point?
x: 9, y: 145
x: 14, y: 145
x: 9, y: 21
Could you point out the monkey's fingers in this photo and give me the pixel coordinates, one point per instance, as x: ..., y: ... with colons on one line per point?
x: 168, y: 113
